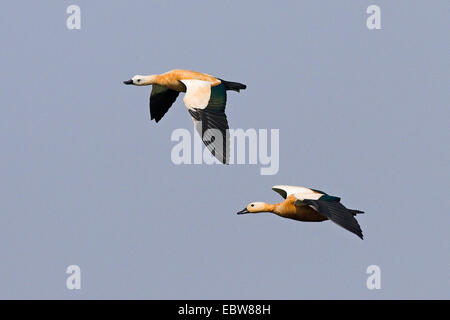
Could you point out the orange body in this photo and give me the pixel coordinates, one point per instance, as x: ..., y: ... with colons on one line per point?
x: 287, y: 209
x: 172, y: 79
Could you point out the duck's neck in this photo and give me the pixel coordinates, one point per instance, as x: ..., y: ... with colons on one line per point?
x: 278, y: 208
x: 269, y: 207
x: 151, y: 79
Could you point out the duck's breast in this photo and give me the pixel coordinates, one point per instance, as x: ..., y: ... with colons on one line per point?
x: 301, y: 213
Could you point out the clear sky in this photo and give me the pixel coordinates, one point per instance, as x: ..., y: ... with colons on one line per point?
x: 87, y: 179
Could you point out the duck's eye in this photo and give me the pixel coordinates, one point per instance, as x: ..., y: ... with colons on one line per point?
x: 252, y: 205
x: 139, y: 80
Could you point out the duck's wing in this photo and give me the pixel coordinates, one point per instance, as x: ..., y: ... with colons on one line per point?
x: 335, y: 211
x: 286, y: 191
x: 161, y: 99
x: 206, y: 105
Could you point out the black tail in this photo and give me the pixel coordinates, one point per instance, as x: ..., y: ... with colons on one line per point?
x: 235, y: 86
x: 355, y: 212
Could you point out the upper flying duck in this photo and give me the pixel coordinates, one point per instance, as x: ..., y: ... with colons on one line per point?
x: 304, y: 204
x: 205, y: 100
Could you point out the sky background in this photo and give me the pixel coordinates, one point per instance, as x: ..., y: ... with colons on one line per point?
x: 87, y: 179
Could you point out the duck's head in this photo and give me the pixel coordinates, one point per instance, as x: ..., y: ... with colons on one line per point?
x: 139, y: 80
x: 254, y: 207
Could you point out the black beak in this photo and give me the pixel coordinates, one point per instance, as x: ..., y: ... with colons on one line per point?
x: 128, y: 81
x: 243, y: 211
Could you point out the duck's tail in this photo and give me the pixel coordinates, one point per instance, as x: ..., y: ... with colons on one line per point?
x: 235, y: 86
x: 355, y: 212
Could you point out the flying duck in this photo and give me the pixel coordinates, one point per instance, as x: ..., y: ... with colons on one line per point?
x: 205, y: 100
x: 305, y: 204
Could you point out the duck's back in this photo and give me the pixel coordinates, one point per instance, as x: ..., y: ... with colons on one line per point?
x: 173, y: 77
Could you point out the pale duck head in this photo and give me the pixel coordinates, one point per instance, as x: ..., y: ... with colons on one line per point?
x: 254, y: 207
x: 140, y: 80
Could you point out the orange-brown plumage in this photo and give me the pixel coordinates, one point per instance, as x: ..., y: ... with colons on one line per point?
x: 172, y: 79
x: 287, y: 209
x: 205, y: 100
x: 306, y: 204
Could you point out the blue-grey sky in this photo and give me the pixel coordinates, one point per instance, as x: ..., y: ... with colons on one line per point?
x: 86, y: 178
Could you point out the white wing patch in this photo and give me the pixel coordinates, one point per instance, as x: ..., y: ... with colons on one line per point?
x: 292, y: 189
x: 300, y: 193
x: 307, y: 196
x: 198, y: 93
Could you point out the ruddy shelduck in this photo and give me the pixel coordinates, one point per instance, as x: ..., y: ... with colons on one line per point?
x: 305, y: 204
x: 205, y: 100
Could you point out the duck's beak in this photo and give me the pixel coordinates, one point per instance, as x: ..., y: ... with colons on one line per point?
x: 128, y: 81
x: 243, y: 211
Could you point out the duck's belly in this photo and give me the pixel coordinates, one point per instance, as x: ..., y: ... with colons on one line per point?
x: 305, y: 213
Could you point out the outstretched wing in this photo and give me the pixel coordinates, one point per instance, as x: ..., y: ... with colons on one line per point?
x: 206, y: 105
x: 302, y: 192
x: 213, y: 128
x: 336, y: 212
x: 161, y: 99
